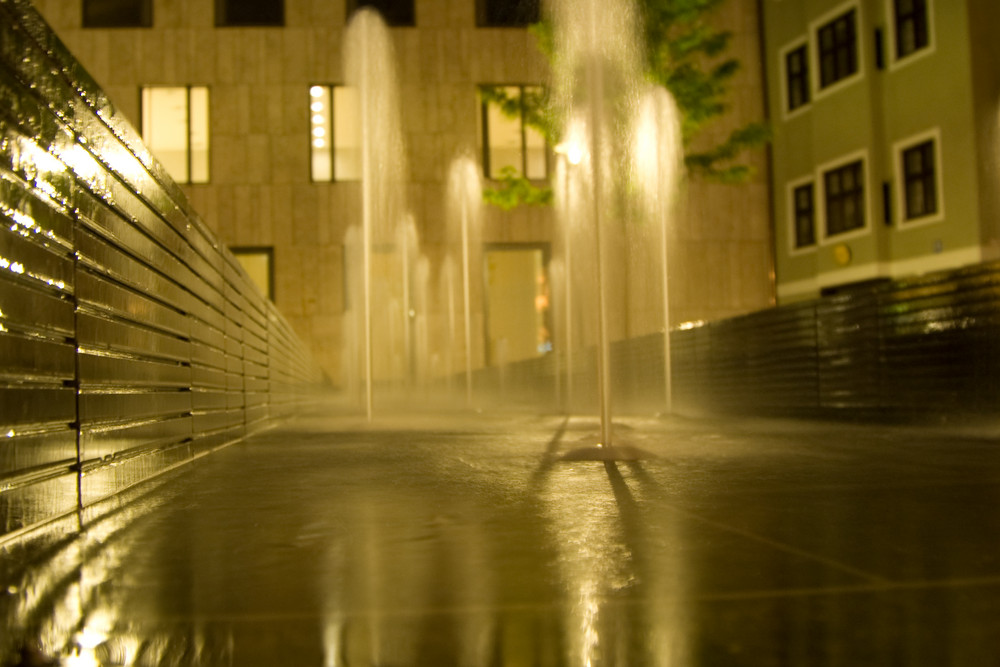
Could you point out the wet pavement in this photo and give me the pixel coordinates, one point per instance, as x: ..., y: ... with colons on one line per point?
x: 471, y: 542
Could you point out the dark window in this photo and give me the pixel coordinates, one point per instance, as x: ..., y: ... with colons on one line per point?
x: 117, y: 13
x: 398, y: 13
x: 506, y: 13
x: 919, y: 181
x: 845, y: 198
x: 805, y: 215
x: 838, y: 49
x: 912, y: 33
x: 797, y: 77
x: 510, y: 144
x: 249, y: 12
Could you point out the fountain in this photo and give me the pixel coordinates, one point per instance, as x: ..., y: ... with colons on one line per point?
x: 369, y: 68
x: 464, y: 203
x: 658, y: 165
x: 620, y: 187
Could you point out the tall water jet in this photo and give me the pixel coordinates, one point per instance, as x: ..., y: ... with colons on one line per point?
x: 598, y: 69
x: 465, y: 201
x: 571, y: 153
x: 408, y: 248
x: 369, y: 67
x: 658, y: 167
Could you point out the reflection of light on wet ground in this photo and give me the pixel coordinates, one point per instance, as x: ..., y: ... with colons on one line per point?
x: 594, y: 560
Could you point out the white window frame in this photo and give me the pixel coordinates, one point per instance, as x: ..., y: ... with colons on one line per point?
x: 824, y: 237
x: 895, y: 62
x: 783, y: 68
x: 790, y: 188
x: 902, y: 223
x: 815, y: 72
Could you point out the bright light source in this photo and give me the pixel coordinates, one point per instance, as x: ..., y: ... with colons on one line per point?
x: 319, y: 119
x: 319, y: 143
x: 316, y: 91
x: 319, y: 132
x: 316, y: 106
x: 572, y: 150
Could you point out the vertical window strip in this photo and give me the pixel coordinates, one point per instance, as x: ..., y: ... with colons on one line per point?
x: 797, y: 78
x: 912, y: 26
x: 805, y: 215
x: 919, y: 181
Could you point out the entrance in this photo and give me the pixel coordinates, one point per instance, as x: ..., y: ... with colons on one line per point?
x: 518, y: 314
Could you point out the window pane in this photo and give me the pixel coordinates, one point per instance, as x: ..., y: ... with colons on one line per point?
x: 346, y: 134
x: 838, y: 49
x: 505, y: 141
x: 501, y: 13
x: 919, y: 180
x: 117, y: 13
x: 199, y: 134
x: 845, y: 200
x: 536, y: 166
x: 165, y: 128
x: 249, y: 12
x: 321, y: 133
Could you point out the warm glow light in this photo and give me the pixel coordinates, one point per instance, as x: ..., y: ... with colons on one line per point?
x: 319, y: 143
x: 319, y: 132
x: 316, y: 91
x: 572, y: 150
x: 316, y: 106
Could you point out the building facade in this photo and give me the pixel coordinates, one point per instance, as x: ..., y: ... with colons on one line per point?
x: 885, y: 116
x: 232, y: 96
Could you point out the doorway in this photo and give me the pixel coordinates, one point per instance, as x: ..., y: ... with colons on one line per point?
x: 518, y: 302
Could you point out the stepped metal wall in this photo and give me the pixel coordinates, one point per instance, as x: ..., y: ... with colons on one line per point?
x: 130, y: 339
x: 924, y: 348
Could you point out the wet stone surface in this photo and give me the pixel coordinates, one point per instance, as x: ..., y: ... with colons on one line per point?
x: 410, y: 542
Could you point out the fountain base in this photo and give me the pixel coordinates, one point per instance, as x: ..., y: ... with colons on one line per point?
x: 601, y: 452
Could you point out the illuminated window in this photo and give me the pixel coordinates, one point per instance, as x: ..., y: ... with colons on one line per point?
x: 797, y: 77
x: 258, y: 262
x: 844, y: 193
x: 335, y: 133
x: 804, y: 214
x: 175, y: 127
x: 249, y: 13
x: 506, y: 13
x: 117, y: 13
x: 398, y: 13
x: 912, y: 27
x: 837, y: 44
x: 511, y: 145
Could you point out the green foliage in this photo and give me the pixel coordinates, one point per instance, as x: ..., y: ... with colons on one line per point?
x: 684, y: 53
x: 513, y: 190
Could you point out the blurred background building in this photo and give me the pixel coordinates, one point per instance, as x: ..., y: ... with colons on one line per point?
x: 885, y: 117
x: 244, y: 103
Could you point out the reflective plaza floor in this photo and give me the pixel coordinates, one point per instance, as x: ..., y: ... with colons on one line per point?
x: 434, y: 542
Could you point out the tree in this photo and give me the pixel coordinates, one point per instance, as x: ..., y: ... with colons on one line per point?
x: 685, y: 54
